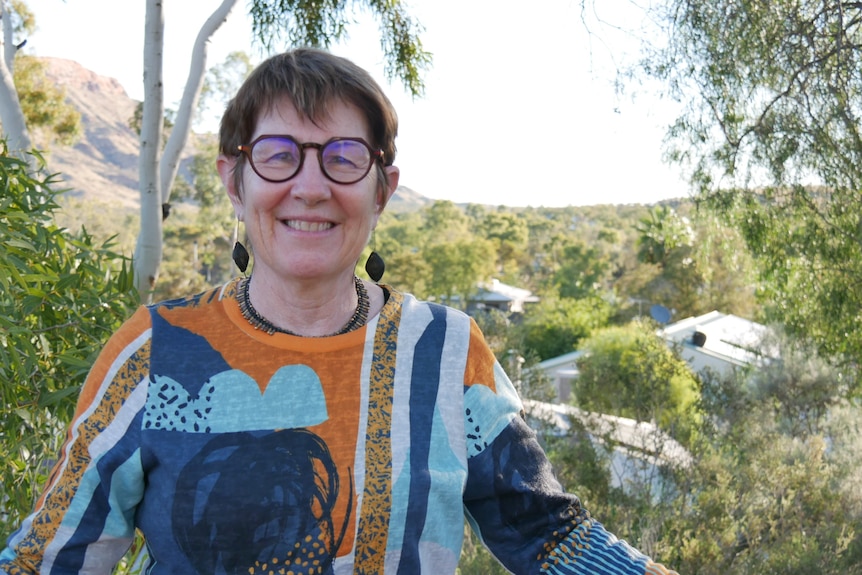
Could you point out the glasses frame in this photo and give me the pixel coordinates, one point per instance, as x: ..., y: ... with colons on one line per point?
x: 247, y: 150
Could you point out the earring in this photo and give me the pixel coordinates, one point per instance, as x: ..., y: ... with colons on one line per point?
x: 375, y: 266
x: 240, y: 254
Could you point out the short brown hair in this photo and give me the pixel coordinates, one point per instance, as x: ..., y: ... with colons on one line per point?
x: 313, y: 80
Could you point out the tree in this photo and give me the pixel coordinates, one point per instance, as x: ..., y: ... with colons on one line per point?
x: 662, y: 232
x: 43, y: 103
x: 631, y: 372
x: 399, y: 239
x: 508, y: 232
x: 666, y: 243
x: 28, y: 101
x: 198, y: 241
x: 583, y: 271
x: 556, y: 326
x: 772, y: 110
x: 457, y: 266
x: 11, y: 114
x: 221, y: 82
x: 61, y: 296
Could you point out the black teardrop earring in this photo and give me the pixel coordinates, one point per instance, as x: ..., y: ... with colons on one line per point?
x: 374, y: 265
x: 240, y: 254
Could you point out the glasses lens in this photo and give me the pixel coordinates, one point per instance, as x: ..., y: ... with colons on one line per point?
x: 276, y: 159
x: 346, y: 161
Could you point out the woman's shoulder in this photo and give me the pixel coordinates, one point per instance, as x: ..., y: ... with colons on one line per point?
x: 206, y: 297
x: 416, y: 312
x: 408, y: 300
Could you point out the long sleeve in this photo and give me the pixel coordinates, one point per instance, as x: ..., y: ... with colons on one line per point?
x: 512, y: 499
x: 84, y: 520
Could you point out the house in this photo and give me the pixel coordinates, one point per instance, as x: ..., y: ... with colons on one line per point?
x: 500, y: 296
x: 561, y: 371
x: 720, y: 342
x: 637, y: 451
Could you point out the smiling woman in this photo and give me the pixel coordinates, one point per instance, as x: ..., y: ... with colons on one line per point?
x: 303, y: 418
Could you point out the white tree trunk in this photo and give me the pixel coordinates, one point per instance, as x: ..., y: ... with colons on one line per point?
x: 182, y: 126
x: 148, y: 252
x: 11, y: 116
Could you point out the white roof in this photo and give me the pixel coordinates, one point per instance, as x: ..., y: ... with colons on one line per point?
x: 560, y: 360
x: 498, y: 291
x: 725, y: 336
x: 641, y: 438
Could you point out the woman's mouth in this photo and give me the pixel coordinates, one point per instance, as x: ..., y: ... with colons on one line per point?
x: 305, y: 226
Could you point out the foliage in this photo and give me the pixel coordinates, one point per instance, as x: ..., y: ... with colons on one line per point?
x: 774, y: 481
x: 198, y: 240
x: 399, y: 238
x: 136, y: 121
x: 44, y: 102
x: 509, y: 234
x: 690, y: 263
x: 663, y: 232
x: 455, y: 266
x: 311, y: 23
x: 556, y: 326
x: 769, y: 493
x: 799, y: 386
x: 772, y: 108
x: 581, y: 467
x: 434, y: 254
x: 221, y: 82
x: 806, y: 245
x: 61, y: 296
x: 629, y: 371
x: 582, y: 271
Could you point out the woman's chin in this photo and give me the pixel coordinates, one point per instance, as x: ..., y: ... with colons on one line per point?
x: 305, y: 269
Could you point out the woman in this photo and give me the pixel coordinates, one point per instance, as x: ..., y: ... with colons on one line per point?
x: 303, y: 420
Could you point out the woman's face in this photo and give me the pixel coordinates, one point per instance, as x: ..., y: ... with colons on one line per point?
x: 308, y: 227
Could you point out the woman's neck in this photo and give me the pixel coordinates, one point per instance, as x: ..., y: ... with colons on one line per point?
x: 305, y: 307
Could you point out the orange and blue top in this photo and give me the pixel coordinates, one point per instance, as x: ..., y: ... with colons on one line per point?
x: 238, y: 452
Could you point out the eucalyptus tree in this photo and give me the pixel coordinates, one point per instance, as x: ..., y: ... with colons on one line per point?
x: 11, y: 113
x: 28, y: 100
x: 771, y: 128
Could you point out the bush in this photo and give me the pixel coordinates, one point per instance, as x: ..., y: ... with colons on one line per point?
x: 630, y: 371
x: 61, y: 296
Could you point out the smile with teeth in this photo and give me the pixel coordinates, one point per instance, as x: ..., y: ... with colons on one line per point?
x: 304, y: 226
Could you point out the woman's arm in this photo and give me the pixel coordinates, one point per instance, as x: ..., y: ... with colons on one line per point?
x: 84, y: 520
x: 512, y: 498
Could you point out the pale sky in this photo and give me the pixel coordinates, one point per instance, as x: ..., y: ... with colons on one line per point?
x: 519, y: 108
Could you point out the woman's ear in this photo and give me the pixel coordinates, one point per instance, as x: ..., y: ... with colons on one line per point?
x: 226, y: 166
x: 390, y: 184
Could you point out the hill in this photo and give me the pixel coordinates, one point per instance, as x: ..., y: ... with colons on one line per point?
x: 103, y: 164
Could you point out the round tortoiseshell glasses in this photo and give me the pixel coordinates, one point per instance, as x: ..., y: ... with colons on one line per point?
x: 279, y: 158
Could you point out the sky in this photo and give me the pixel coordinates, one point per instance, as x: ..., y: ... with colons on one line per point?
x: 519, y: 107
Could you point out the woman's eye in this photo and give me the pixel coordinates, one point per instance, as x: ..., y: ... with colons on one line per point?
x: 336, y: 160
x: 282, y: 157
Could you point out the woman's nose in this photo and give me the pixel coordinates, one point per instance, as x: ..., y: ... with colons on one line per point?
x: 310, y: 184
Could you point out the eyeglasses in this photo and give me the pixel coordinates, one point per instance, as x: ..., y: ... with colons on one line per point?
x: 279, y: 158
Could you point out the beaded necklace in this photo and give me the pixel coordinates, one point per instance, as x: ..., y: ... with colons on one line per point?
x: 257, y: 321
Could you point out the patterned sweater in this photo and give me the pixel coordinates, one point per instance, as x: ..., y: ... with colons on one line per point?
x: 233, y: 451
